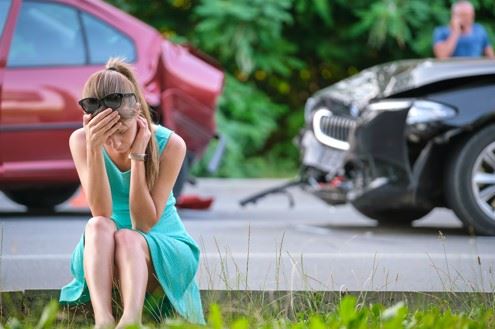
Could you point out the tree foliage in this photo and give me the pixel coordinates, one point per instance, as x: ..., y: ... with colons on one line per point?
x: 249, y: 34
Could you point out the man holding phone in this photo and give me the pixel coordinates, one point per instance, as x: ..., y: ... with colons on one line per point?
x: 464, y: 37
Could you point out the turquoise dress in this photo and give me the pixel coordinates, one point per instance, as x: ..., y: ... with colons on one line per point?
x: 174, y: 254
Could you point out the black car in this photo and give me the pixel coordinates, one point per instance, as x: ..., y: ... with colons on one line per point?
x: 399, y: 139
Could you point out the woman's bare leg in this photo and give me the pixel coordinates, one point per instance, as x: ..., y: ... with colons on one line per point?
x: 99, y: 248
x: 133, y: 263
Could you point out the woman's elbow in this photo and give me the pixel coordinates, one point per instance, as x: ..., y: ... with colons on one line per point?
x: 146, y: 226
x: 97, y: 211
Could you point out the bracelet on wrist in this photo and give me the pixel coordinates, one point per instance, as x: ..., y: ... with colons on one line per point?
x: 138, y: 156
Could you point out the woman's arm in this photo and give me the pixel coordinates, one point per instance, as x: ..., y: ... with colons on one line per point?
x: 91, y: 170
x: 99, y: 196
x: 146, y: 206
x: 86, y: 149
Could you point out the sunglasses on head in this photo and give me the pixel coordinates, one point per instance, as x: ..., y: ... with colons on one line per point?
x: 91, y: 104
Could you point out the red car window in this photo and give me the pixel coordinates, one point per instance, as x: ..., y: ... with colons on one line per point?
x: 4, y: 9
x: 46, y: 33
x: 104, y: 41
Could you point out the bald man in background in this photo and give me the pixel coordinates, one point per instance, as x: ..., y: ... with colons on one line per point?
x: 463, y: 37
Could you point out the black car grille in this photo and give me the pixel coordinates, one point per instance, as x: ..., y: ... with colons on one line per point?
x: 337, y: 127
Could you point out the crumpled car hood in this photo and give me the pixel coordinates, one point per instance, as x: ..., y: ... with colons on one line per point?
x: 391, y: 78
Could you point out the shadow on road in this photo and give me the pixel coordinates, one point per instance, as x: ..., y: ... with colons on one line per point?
x: 403, y: 229
x: 5, y: 215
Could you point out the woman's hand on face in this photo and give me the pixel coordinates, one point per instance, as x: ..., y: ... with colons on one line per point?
x: 99, y: 128
x: 143, y: 136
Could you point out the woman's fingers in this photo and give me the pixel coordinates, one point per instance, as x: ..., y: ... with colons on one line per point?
x: 105, y: 119
x: 100, y: 127
x: 108, y: 129
x: 99, y: 137
x: 144, y: 131
x: 106, y: 123
x: 144, y: 123
x: 95, y: 118
x: 86, y: 118
x: 101, y: 120
x: 112, y: 130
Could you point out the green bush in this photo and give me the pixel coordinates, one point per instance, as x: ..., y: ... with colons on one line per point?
x: 246, y: 118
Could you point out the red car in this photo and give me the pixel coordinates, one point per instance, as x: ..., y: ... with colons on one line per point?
x: 47, y: 51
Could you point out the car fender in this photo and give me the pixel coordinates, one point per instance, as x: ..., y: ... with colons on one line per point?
x: 190, y: 90
x: 191, y: 74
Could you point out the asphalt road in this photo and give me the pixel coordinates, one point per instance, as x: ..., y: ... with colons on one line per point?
x: 269, y: 246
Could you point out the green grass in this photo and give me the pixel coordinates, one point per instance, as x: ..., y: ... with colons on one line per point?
x: 277, y: 310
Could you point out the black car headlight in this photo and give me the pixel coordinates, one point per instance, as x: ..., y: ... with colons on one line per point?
x: 423, y: 111
x: 423, y: 119
x: 420, y: 111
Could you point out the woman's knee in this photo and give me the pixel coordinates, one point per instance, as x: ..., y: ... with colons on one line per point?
x: 128, y: 241
x: 100, y: 225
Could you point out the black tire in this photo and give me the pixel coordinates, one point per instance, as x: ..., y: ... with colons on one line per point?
x: 394, y: 217
x: 459, y: 192
x: 183, y: 176
x: 43, y: 197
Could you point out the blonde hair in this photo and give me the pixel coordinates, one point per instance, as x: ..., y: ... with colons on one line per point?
x: 118, y: 77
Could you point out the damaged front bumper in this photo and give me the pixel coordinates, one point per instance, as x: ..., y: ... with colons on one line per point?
x: 384, y: 172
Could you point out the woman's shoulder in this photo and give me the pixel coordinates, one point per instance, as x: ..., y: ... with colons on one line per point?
x: 77, y: 145
x: 78, y: 138
x: 162, y: 131
x: 162, y: 135
x: 168, y: 138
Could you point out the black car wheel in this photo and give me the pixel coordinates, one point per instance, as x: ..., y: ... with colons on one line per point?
x: 41, y: 198
x: 394, y: 216
x: 470, y: 182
